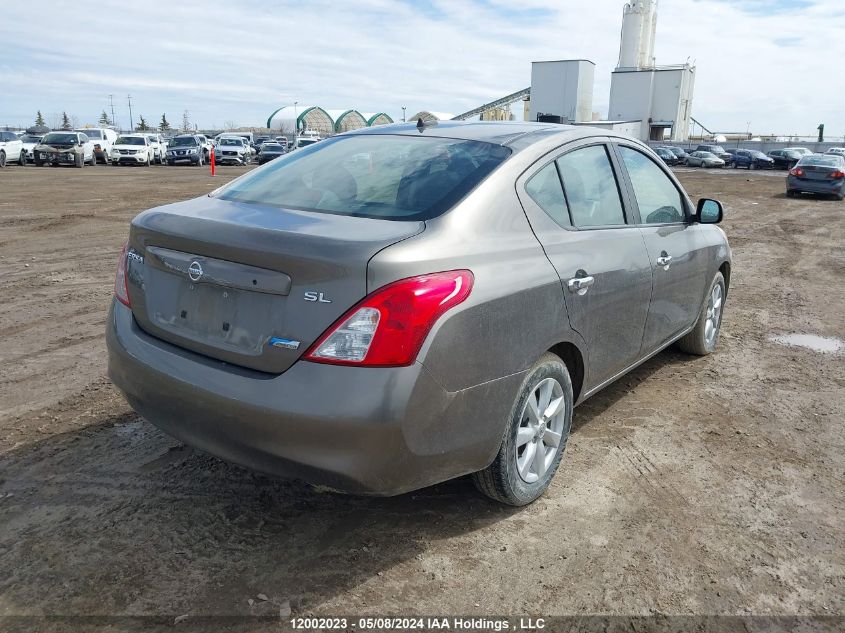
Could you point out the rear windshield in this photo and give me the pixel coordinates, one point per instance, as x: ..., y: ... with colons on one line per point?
x: 372, y: 176
x: 824, y: 161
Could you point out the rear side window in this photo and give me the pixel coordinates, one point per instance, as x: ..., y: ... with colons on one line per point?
x: 657, y: 197
x: 372, y: 176
x: 545, y: 189
x: 591, y: 188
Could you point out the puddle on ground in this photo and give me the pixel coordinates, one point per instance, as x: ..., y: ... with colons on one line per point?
x: 823, y: 344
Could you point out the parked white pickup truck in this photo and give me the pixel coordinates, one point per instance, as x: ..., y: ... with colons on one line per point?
x: 103, y: 139
x: 11, y: 149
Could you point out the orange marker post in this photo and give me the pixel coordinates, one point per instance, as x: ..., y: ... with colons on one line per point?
x: 212, y: 161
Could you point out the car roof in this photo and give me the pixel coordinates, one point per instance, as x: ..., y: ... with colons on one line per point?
x: 514, y: 134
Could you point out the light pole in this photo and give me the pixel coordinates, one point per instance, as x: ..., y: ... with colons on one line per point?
x: 295, y: 124
x: 403, y: 114
x: 131, y: 126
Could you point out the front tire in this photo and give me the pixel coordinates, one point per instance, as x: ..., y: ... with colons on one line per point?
x: 2, y: 159
x: 80, y: 160
x: 702, y: 340
x: 535, y: 438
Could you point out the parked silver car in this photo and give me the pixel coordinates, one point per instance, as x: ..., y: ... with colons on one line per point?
x: 704, y: 159
x: 438, y: 309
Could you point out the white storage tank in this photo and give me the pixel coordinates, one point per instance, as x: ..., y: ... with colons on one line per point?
x: 639, y: 25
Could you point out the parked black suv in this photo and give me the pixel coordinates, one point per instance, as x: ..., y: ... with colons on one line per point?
x: 784, y: 158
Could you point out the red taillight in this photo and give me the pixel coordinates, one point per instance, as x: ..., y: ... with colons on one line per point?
x: 121, y: 292
x: 797, y: 171
x: 387, y: 328
x: 837, y: 174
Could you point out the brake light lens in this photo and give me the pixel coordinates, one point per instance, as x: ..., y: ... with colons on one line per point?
x: 797, y: 171
x: 121, y: 291
x: 837, y: 174
x: 388, y: 328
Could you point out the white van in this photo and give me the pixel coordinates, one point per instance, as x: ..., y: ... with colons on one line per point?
x: 103, y: 139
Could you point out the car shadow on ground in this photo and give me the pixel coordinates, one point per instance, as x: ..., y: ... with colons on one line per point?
x: 119, y: 518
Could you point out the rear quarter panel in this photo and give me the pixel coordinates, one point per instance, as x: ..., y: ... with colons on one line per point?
x: 516, y: 309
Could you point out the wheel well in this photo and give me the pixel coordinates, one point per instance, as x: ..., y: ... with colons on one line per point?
x: 725, y: 269
x: 571, y: 357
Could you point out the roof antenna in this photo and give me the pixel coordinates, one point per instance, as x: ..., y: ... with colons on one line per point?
x: 421, y: 125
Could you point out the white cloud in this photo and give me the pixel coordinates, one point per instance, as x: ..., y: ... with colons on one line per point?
x: 773, y: 63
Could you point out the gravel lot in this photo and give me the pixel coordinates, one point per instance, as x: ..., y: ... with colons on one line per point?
x: 691, y: 486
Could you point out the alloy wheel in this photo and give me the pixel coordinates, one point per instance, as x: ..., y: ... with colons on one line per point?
x: 713, y: 316
x: 540, y: 430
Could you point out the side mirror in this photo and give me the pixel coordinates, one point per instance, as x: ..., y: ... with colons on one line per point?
x: 709, y: 211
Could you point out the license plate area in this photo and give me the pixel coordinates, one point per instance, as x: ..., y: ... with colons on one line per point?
x: 210, y: 315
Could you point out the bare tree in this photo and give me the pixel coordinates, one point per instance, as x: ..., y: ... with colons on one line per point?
x: 186, y: 122
x: 230, y: 124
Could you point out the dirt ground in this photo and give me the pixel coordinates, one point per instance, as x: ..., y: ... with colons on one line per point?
x: 692, y: 486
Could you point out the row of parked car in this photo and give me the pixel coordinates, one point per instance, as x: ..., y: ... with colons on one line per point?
x: 717, y: 156
x: 90, y: 146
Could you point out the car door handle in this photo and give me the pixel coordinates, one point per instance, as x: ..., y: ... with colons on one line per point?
x: 580, y: 284
x: 664, y: 260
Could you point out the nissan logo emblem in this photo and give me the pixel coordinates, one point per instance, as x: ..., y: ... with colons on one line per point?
x: 195, y: 271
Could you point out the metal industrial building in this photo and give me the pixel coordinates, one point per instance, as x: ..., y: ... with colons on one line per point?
x: 647, y: 101
x: 325, y: 122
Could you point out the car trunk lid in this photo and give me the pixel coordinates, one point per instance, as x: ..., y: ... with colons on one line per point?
x: 248, y: 284
x: 817, y: 172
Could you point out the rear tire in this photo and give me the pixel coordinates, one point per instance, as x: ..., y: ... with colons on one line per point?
x: 93, y: 159
x: 703, y: 338
x: 2, y: 159
x: 519, y: 474
x: 790, y: 193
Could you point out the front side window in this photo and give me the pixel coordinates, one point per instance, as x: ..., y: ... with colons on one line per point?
x: 591, y: 188
x: 373, y: 176
x: 657, y: 197
x: 545, y: 189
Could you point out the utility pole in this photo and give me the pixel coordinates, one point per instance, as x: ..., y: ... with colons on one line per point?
x: 111, y: 105
x: 131, y: 125
x: 403, y: 114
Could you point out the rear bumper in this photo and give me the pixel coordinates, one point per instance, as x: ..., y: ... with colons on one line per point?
x: 380, y: 431
x: 829, y: 186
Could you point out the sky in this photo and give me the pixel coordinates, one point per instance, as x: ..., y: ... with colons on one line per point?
x: 776, y: 65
